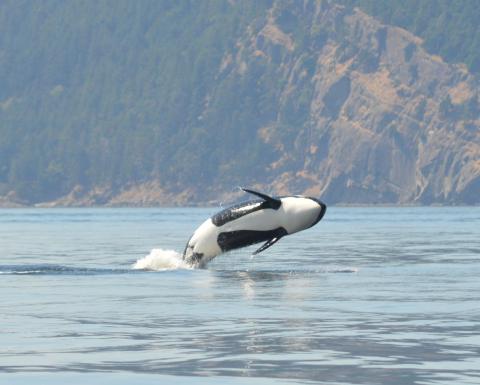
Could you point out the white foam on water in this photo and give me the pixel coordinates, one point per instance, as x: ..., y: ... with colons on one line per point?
x: 160, y: 259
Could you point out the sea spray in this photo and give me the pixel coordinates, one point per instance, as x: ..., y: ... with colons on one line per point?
x: 160, y: 259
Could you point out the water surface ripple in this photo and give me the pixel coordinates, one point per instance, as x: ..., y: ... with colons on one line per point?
x: 368, y: 296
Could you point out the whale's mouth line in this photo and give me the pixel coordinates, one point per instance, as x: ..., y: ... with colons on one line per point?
x: 323, y: 210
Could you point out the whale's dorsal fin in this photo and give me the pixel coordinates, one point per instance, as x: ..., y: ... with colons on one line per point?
x: 275, y: 203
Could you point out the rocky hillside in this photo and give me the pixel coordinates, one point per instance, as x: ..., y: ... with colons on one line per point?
x: 364, y: 113
x: 296, y: 97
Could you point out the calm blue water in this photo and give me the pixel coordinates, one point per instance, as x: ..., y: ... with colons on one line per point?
x: 368, y: 296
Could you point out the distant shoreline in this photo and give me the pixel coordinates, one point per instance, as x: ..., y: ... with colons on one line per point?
x: 14, y: 206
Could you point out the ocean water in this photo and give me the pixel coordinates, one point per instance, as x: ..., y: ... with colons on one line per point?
x: 368, y: 296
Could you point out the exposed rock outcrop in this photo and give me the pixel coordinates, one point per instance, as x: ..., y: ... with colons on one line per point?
x: 365, y: 114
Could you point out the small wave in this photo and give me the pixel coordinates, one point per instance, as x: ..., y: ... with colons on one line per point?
x: 342, y: 270
x: 160, y: 259
x: 48, y: 269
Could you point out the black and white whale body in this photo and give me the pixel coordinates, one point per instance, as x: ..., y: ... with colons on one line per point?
x: 262, y: 220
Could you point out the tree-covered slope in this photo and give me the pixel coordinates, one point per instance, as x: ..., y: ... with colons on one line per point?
x: 109, y: 93
x: 449, y: 28
x: 161, y: 102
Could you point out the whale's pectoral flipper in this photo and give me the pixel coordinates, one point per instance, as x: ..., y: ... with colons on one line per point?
x: 266, y: 245
x: 274, y: 203
x: 277, y: 234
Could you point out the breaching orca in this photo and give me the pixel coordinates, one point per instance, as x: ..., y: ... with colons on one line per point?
x: 262, y: 220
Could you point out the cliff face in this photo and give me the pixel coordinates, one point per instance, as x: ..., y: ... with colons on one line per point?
x: 364, y: 114
x: 296, y: 97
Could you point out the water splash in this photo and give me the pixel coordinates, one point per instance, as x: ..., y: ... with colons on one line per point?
x: 160, y: 259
